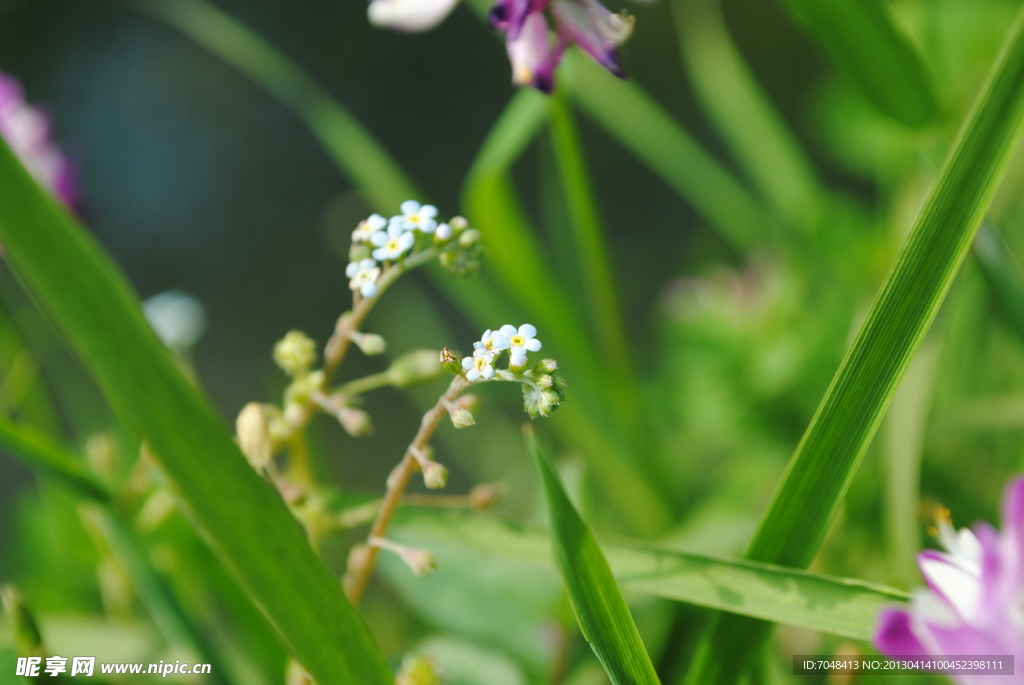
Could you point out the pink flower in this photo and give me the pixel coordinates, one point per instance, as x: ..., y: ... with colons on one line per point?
x: 975, y: 601
x: 586, y: 23
x: 27, y: 129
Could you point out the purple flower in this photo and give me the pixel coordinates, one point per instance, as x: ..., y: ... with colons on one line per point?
x: 532, y: 56
x: 586, y: 23
x: 975, y: 601
x: 26, y: 129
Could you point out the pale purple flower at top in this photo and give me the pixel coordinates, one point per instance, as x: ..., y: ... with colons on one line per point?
x: 393, y: 243
x: 410, y: 16
x: 595, y: 29
x: 27, y: 130
x: 974, y: 604
x: 508, y: 16
x: 532, y: 55
x: 416, y: 217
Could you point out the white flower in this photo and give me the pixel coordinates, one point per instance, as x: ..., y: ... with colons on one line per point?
x: 178, y: 319
x: 366, y: 228
x: 520, y: 340
x: 392, y: 244
x: 363, y: 275
x: 491, y: 341
x: 443, y: 233
x: 416, y: 217
x: 411, y: 16
x: 480, y: 365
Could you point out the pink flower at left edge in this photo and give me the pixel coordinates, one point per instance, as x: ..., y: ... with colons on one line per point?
x: 974, y: 604
x: 27, y: 131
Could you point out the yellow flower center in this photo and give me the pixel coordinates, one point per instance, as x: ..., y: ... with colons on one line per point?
x: 517, y: 340
x: 392, y: 246
x: 414, y: 218
x: 481, y: 363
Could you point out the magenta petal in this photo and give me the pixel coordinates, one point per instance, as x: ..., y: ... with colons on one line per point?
x: 532, y: 55
x: 589, y: 24
x: 895, y: 635
x: 508, y: 16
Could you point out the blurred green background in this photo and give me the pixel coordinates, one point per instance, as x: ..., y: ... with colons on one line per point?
x: 195, y: 178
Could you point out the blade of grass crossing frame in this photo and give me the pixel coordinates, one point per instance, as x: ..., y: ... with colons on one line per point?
x: 630, y: 116
x: 592, y: 251
x: 600, y: 609
x: 874, y: 53
x: 359, y: 155
x: 839, y: 606
x: 89, y: 302
x: 40, y: 453
x: 819, y: 473
x: 745, y: 117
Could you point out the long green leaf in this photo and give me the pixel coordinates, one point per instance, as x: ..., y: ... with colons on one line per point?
x: 1004, y: 276
x: 600, y: 609
x: 628, y: 114
x: 819, y: 473
x: 744, y: 115
x: 863, y: 40
x: 244, y: 519
x: 595, y: 264
x: 838, y: 606
x: 39, y: 452
x: 357, y: 153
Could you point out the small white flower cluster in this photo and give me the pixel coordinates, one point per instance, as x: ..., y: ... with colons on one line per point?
x: 377, y: 241
x: 543, y: 391
x: 487, y: 350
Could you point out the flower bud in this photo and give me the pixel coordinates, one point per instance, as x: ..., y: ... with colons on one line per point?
x: 415, y: 367
x: 558, y: 383
x: 544, y: 382
x: 419, y: 670
x: 253, y: 433
x: 458, y: 224
x: 443, y: 233
x: 358, y: 252
x: 517, y: 363
x: 486, y: 495
x: 369, y: 343
x: 301, y: 389
x: 295, y: 353
x: 295, y: 674
x: 420, y: 561
x: 469, y: 402
x: 435, y: 475
x: 469, y: 238
x: 460, y: 417
x: 450, y: 362
x: 546, y: 366
x: 356, y: 422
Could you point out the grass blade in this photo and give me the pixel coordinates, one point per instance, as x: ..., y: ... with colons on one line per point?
x: 600, y: 610
x: 40, y: 453
x: 838, y: 606
x: 1004, y: 276
x: 745, y: 117
x: 819, y: 473
x: 359, y: 155
x: 645, y: 129
x: 592, y: 253
x: 876, y: 55
x: 90, y: 303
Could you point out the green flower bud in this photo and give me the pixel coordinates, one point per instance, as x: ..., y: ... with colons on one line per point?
x: 544, y: 382
x: 253, y: 434
x: 420, y: 561
x: 486, y: 495
x: 435, y: 475
x: 415, y: 367
x: 546, y: 366
x: 22, y: 626
x: 295, y: 353
x: 469, y: 238
x: 458, y: 224
x: 356, y: 422
x: 370, y: 343
x: 358, y: 252
x: 450, y: 362
x: 460, y: 417
x: 419, y: 670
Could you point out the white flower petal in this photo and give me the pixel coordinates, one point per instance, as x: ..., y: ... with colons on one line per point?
x: 352, y: 269
x: 429, y: 211
x: 410, y: 206
x: 369, y: 290
x: 508, y: 330
x: 958, y: 586
x: 488, y: 372
x: 376, y: 222
x: 533, y: 345
x: 381, y: 253
x: 405, y: 241
x: 379, y: 238
x: 527, y: 330
x: 472, y: 375
x: 467, y: 362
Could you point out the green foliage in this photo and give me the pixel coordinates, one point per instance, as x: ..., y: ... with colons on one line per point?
x: 88, y: 299
x: 600, y: 609
x: 819, y: 473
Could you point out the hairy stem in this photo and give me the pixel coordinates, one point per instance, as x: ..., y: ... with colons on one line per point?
x: 397, y: 481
